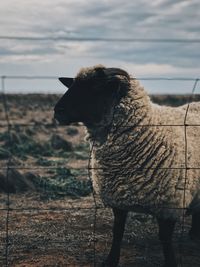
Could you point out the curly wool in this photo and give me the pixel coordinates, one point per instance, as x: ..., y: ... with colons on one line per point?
x: 141, y: 151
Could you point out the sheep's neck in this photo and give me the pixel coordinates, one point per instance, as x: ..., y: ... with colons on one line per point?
x: 132, y: 111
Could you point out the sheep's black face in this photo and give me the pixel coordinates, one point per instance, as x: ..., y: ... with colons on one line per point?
x: 81, y: 103
x: 87, y: 100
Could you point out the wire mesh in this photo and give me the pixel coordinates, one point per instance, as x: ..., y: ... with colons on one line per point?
x: 94, y: 238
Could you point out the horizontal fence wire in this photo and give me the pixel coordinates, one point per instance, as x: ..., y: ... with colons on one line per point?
x: 9, y: 124
x: 96, y: 168
x: 43, y: 77
x: 100, y: 39
x: 84, y: 208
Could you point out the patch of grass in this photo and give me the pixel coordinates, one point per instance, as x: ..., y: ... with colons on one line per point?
x: 45, y: 162
x: 84, y: 146
x: 27, y: 146
x: 4, y: 153
x: 4, y: 136
x: 81, y: 151
x: 21, y: 145
x: 80, y: 155
x: 63, y: 154
x: 64, y: 183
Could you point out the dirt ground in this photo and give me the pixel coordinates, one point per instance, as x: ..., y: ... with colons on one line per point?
x: 72, y: 232
x: 41, y: 231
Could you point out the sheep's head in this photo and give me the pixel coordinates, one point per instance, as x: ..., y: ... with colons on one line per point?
x: 91, y: 94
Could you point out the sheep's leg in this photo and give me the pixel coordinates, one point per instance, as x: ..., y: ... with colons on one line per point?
x: 195, y: 229
x: 118, y: 232
x: 166, y: 228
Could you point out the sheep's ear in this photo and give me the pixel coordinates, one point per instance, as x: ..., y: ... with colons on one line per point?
x: 117, y: 79
x: 66, y: 81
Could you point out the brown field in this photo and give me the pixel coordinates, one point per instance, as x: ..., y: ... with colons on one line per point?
x: 48, y: 214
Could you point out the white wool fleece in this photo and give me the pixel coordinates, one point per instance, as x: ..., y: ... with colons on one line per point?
x: 139, y: 164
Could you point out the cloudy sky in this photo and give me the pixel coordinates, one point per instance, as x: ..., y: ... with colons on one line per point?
x: 57, y: 50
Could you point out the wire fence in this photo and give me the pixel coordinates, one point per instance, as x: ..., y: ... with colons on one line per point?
x: 100, y: 39
x: 9, y: 124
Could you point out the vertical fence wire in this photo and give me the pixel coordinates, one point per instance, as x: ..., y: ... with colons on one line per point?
x: 94, y: 200
x: 6, y: 112
x: 186, y: 170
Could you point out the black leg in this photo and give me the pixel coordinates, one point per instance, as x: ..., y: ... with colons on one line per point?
x: 195, y: 229
x: 166, y: 228
x: 118, y: 232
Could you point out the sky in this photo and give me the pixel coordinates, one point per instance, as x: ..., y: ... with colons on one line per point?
x: 54, y: 23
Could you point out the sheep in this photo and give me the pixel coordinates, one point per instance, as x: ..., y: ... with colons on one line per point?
x: 139, y: 153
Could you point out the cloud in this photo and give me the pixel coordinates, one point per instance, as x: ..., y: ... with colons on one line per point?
x: 94, y: 18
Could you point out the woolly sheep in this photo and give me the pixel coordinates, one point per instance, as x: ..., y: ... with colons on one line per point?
x: 138, y: 155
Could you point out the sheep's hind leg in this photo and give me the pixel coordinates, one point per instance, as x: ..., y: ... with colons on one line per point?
x: 118, y: 232
x: 195, y: 229
x: 166, y: 228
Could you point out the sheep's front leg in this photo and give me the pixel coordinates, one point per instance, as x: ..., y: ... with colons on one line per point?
x: 118, y: 232
x: 166, y: 229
